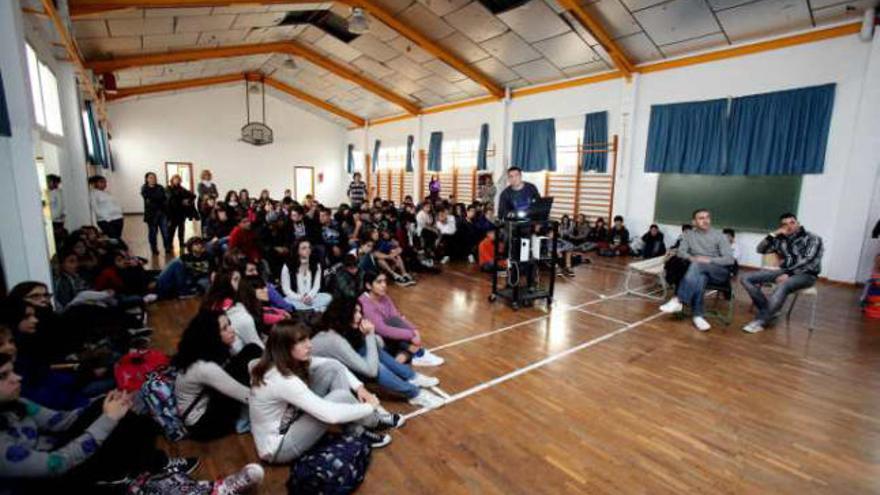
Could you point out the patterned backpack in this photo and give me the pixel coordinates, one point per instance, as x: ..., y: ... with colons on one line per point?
x: 132, y: 369
x: 336, y: 465
x: 157, y: 393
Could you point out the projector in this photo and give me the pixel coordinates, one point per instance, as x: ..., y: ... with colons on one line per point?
x: 257, y: 134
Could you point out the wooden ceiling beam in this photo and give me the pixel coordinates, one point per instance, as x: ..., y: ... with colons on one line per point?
x: 287, y: 47
x: 621, y: 61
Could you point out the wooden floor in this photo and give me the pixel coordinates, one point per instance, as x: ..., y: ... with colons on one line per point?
x: 604, y: 395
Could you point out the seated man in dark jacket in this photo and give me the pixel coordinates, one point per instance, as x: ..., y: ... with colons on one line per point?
x: 801, y: 255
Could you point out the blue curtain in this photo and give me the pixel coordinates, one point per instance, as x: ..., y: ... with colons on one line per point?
x: 349, y: 163
x: 375, y: 164
x: 5, y: 127
x: 409, y: 153
x: 435, y: 152
x: 780, y: 133
x: 687, y: 138
x: 484, y: 147
x: 534, y: 145
x: 596, y: 139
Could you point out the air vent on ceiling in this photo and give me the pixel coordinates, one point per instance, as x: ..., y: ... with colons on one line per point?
x: 326, y: 20
x: 499, y: 6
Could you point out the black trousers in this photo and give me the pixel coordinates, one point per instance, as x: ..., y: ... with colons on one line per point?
x: 222, y: 413
x: 113, y: 228
x: 176, y: 225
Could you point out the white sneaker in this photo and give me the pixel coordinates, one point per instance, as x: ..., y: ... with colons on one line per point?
x: 240, y: 482
x: 428, y: 359
x: 427, y: 399
x: 672, y: 306
x: 150, y: 298
x: 444, y: 260
x: 471, y: 259
x: 701, y: 324
x: 754, y: 326
x: 424, y: 381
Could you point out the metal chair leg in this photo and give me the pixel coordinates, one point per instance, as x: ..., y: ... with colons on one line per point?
x: 813, y: 312
x: 791, y: 308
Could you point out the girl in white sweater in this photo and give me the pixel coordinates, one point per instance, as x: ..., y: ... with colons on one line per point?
x: 295, y: 397
x: 212, y: 385
x: 301, y: 281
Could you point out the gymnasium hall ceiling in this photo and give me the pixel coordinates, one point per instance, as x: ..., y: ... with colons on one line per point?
x: 523, y: 43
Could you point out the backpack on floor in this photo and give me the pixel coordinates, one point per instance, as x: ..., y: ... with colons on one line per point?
x: 132, y: 369
x: 169, y: 484
x: 157, y: 393
x: 336, y: 465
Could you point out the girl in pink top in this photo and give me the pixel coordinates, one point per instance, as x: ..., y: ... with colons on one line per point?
x: 401, y: 337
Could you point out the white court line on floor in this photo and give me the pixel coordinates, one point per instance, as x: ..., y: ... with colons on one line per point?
x: 442, y: 393
x: 532, y: 320
x: 604, y: 317
x: 537, y: 364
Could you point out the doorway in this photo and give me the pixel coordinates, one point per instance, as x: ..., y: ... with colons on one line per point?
x: 303, y: 182
x: 184, y: 170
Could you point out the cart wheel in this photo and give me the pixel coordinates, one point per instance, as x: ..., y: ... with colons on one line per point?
x: 492, y: 297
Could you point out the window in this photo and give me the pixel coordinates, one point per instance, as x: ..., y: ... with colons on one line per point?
x: 460, y: 153
x: 44, y: 89
x: 358, y: 160
x: 392, y: 158
x: 567, y: 156
x: 87, y: 131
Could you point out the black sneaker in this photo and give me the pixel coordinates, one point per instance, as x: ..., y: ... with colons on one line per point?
x: 139, y: 332
x: 377, y: 440
x: 390, y: 420
x: 183, y: 465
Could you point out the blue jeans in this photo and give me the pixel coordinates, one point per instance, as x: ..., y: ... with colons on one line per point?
x: 768, y: 307
x: 159, y: 223
x: 394, y: 376
x: 175, y: 281
x: 693, y: 285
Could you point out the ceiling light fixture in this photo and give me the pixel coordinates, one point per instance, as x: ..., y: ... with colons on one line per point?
x: 290, y: 63
x: 358, y: 22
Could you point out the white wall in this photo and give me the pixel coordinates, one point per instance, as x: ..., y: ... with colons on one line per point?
x: 203, y: 127
x: 835, y: 204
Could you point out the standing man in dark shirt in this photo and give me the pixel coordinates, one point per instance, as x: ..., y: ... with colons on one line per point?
x: 518, y: 195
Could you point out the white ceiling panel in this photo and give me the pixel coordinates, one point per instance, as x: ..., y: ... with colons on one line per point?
x: 410, y: 50
x: 140, y: 27
x: 463, y: 47
x: 510, y: 49
x: 614, y: 16
x: 427, y: 22
x: 269, y: 34
x: 443, y: 7
x: 496, y: 70
x: 293, y: 7
x: 337, y: 48
x: 90, y: 29
x: 639, y: 48
x: 726, y: 4
x: 372, y: 68
x: 131, y: 13
x: 381, y: 31
x: 225, y: 37
x: 178, y: 12
x: 519, y: 83
x: 405, y: 85
x: 476, y: 22
x: 311, y: 34
x: 370, y: 45
x: 580, y: 30
x: 163, y: 41
x: 408, y: 67
x: 566, y: 50
x: 538, y: 71
x: 677, y: 20
x: 585, y: 69
x: 439, y: 85
x: 534, y: 21
x: 258, y: 20
x: 195, y: 24
x: 100, y: 47
x: 240, y: 9
x: 471, y: 88
x: 428, y: 97
x: 636, y: 5
x: 696, y: 44
x: 841, y: 11
x: 554, y: 5
x: 443, y: 70
x: 764, y: 18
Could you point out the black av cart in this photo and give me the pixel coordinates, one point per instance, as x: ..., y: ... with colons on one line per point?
x: 528, y: 248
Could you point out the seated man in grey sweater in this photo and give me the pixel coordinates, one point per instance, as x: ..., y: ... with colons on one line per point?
x: 801, y: 261
x: 710, y: 257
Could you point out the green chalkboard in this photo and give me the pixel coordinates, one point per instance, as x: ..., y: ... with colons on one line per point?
x: 745, y: 203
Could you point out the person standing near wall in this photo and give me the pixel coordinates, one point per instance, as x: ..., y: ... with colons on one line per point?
x: 106, y: 212
x: 357, y: 191
x: 56, y: 202
x: 181, y: 206
x: 155, y: 212
x: 206, y: 190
